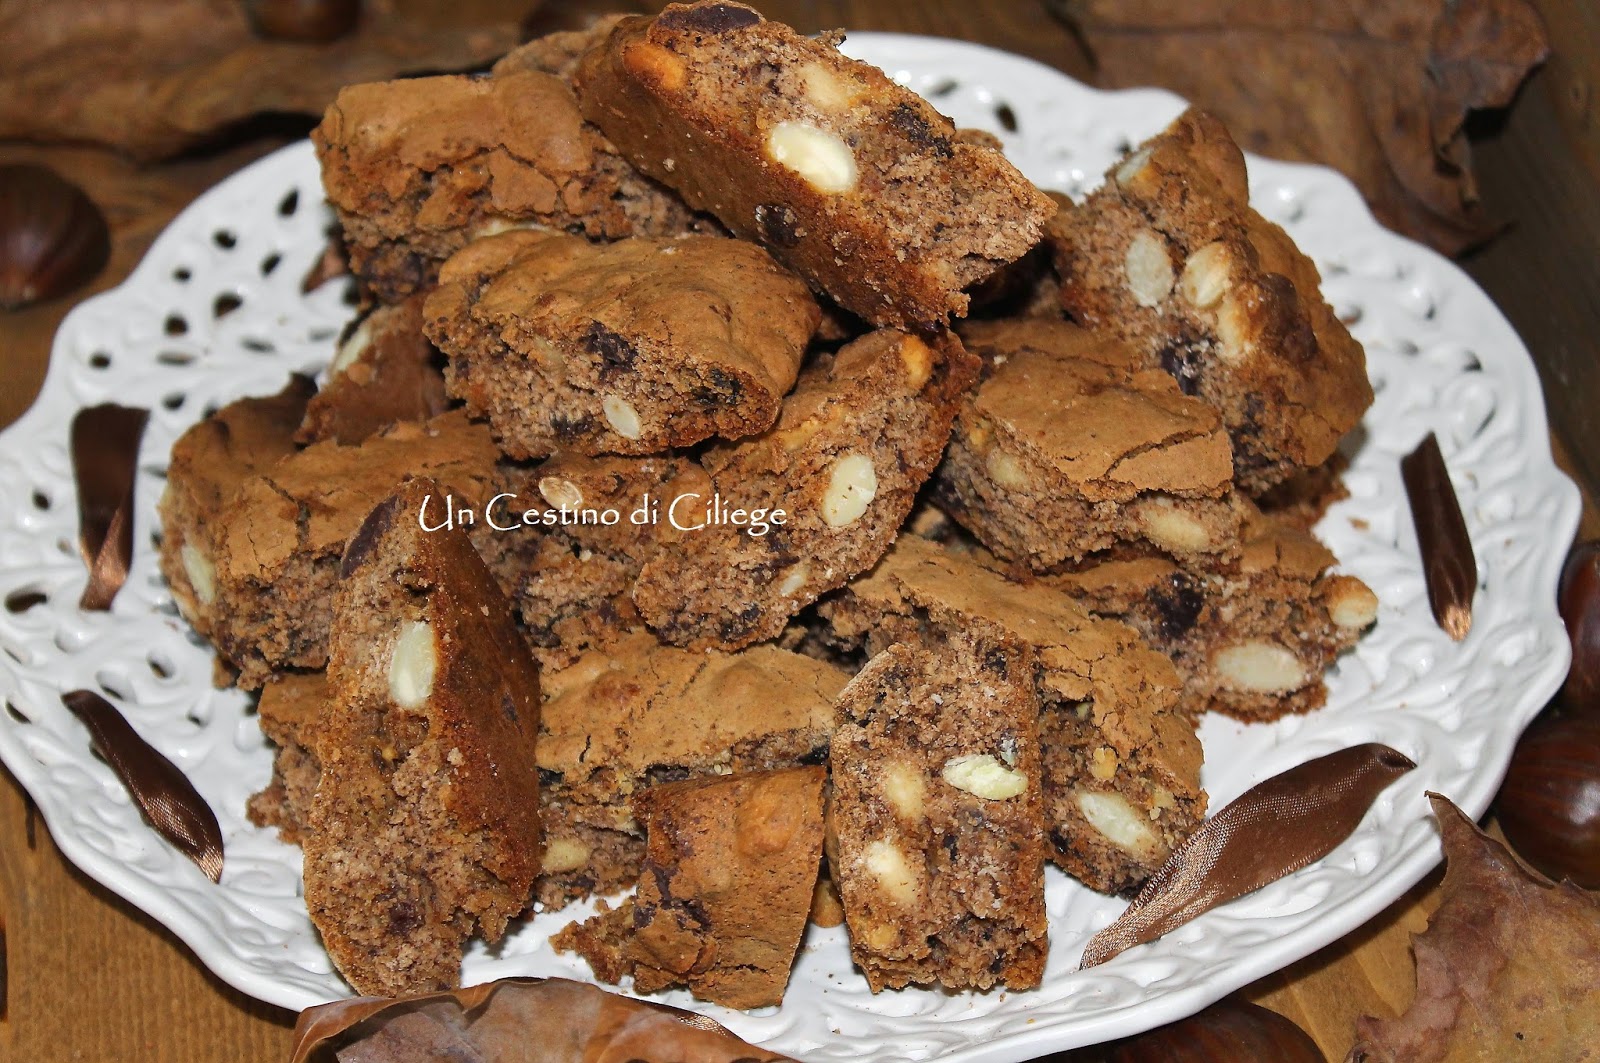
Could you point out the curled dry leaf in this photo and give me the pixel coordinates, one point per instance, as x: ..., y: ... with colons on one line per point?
x: 517, y: 1018
x: 153, y: 77
x: 1508, y: 969
x: 1376, y: 89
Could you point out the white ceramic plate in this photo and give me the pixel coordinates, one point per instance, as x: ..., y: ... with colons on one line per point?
x: 1441, y: 358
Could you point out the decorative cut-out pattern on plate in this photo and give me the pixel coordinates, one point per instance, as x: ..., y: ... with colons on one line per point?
x: 215, y: 312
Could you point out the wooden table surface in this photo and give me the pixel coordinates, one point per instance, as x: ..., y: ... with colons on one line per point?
x: 88, y: 977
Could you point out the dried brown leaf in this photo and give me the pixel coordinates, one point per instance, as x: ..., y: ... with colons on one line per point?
x: 1508, y: 969
x: 1376, y: 88
x: 540, y: 1020
x: 153, y: 77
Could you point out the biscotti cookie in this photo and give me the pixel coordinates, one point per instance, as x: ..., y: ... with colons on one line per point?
x: 854, y: 182
x: 280, y: 533
x: 1252, y: 640
x: 1169, y: 255
x: 641, y: 713
x: 416, y: 168
x: 1069, y: 446
x: 290, y: 710
x: 862, y: 431
x: 578, y: 590
x: 1121, y: 759
x: 556, y: 53
x: 729, y: 868
x: 936, y: 819
x: 623, y: 348
x: 385, y: 371
x: 425, y: 827
x: 209, y: 463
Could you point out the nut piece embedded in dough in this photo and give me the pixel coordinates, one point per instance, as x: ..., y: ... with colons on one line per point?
x: 1114, y: 818
x: 888, y: 865
x: 1133, y: 167
x: 795, y: 580
x: 1172, y: 529
x: 1148, y: 269
x: 1005, y: 470
x: 412, y: 664
x: 1351, y: 603
x: 1259, y: 667
x: 201, y: 572
x: 820, y: 157
x: 827, y: 89
x: 1205, y: 276
x: 564, y: 854
x: 563, y: 494
x: 622, y: 417
x: 851, y: 489
x: 656, y: 64
x: 904, y: 789
x: 1103, y: 763
x: 981, y: 775
x: 918, y: 361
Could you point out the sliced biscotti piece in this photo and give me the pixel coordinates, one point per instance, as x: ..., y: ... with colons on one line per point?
x: 280, y: 534
x: 209, y: 463
x: 385, y: 371
x: 425, y: 828
x: 1070, y: 446
x: 853, y: 181
x: 624, y: 348
x: 595, y: 535
x: 556, y: 53
x: 1169, y: 255
x: 936, y: 820
x: 1121, y: 759
x: 862, y: 431
x: 416, y: 168
x: 729, y: 867
x: 1252, y: 640
x: 290, y: 711
x: 640, y: 713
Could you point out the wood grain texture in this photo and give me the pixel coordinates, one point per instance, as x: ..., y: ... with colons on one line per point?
x: 91, y: 978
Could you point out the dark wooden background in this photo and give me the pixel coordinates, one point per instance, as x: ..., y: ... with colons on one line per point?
x: 89, y: 978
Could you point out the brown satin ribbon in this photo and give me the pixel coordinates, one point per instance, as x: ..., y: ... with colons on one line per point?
x: 105, y: 456
x: 1274, y: 828
x: 165, y: 796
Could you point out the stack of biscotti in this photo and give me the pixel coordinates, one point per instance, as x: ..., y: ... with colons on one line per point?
x: 808, y: 448
x: 1155, y: 451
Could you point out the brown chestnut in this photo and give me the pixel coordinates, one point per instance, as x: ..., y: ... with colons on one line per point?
x: 52, y: 236
x: 1230, y: 1030
x: 1579, y: 602
x: 1549, y: 805
x: 310, y: 21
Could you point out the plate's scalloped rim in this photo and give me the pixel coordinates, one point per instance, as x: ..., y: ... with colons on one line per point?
x: 986, y: 1038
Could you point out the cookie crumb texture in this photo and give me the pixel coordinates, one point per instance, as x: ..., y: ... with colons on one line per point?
x: 640, y: 714
x: 1070, y: 446
x: 417, y: 168
x: 1169, y: 255
x: 860, y: 434
x: 624, y: 348
x: 1112, y: 731
x: 856, y: 183
x: 730, y: 866
x: 271, y: 555
x: 937, y: 817
x: 424, y: 830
